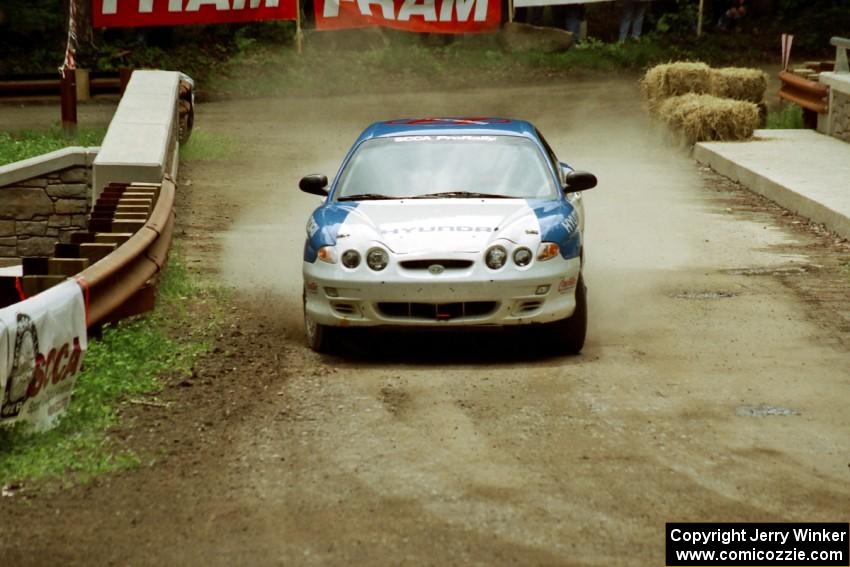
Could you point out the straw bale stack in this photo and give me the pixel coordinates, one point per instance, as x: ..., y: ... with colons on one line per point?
x: 702, y: 117
x: 739, y: 83
x: 675, y: 79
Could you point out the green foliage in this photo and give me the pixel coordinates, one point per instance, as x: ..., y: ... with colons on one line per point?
x: 125, y: 363
x: 814, y: 22
x: 23, y: 19
x: 681, y: 21
x: 789, y: 117
x: 15, y: 146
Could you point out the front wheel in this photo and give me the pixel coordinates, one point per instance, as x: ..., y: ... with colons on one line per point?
x: 320, y: 338
x: 567, y: 335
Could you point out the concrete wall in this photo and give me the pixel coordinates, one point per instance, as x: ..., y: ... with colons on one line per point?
x: 141, y: 143
x: 841, y: 116
x: 837, y: 122
x: 43, y: 200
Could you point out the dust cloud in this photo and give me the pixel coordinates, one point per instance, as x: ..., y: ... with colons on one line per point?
x: 644, y: 218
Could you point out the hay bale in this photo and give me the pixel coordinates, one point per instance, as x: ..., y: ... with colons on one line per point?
x: 675, y: 79
x: 739, y: 83
x: 701, y: 117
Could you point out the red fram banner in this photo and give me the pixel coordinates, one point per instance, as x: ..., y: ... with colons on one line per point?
x: 432, y: 16
x: 134, y: 13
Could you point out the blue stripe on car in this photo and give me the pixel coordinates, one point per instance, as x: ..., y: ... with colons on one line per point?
x: 559, y: 224
x: 328, y: 218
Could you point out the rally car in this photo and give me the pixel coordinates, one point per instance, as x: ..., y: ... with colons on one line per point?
x: 447, y: 222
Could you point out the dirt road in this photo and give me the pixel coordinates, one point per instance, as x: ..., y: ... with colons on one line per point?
x: 713, y: 385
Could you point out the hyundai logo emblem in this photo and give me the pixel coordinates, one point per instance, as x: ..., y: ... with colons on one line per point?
x: 436, y: 269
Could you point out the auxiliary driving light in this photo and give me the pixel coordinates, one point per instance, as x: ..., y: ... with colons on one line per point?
x: 331, y: 292
x: 377, y: 259
x: 522, y: 257
x: 496, y: 257
x: 547, y: 251
x: 541, y: 290
x: 351, y: 258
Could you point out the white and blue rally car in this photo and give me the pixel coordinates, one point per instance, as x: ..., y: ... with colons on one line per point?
x: 447, y: 222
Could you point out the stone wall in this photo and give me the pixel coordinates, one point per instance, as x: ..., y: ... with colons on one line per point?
x: 841, y: 116
x: 837, y: 122
x: 37, y: 213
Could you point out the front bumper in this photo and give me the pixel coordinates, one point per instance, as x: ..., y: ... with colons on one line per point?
x: 541, y: 293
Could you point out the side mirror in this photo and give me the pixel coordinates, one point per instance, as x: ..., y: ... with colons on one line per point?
x: 315, y: 184
x: 579, y: 181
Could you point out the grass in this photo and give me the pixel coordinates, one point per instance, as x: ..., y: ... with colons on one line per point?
x: 208, y: 146
x: 127, y: 362
x: 789, y: 117
x: 15, y: 146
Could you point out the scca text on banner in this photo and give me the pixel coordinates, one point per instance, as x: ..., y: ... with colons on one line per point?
x: 429, y: 16
x: 42, y: 346
x: 136, y: 13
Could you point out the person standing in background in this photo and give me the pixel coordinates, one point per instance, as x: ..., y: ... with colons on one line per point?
x: 574, y: 14
x: 632, y: 19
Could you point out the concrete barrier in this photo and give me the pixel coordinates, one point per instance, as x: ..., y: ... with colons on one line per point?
x: 141, y: 143
x: 801, y: 170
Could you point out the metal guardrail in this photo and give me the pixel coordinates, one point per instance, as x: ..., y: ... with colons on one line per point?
x: 841, y: 44
x: 114, y: 281
x: 810, y: 95
x: 40, y: 85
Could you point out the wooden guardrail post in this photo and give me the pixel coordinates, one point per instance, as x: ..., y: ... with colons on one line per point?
x: 68, y: 93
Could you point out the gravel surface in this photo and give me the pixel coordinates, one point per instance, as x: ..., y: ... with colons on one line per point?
x: 713, y: 386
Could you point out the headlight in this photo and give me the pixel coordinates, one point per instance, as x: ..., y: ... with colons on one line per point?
x: 496, y: 257
x: 377, y: 258
x: 351, y: 258
x: 522, y: 257
x: 327, y: 254
x: 547, y: 251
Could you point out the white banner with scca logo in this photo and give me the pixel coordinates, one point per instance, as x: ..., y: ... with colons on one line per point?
x: 42, y: 345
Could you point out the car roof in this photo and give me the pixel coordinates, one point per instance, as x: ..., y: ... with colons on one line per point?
x: 448, y: 126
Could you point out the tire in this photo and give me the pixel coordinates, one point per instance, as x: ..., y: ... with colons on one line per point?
x: 568, y: 335
x: 187, y: 120
x: 320, y: 338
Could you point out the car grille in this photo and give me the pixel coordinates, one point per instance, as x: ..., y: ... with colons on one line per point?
x: 425, y: 264
x: 437, y: 311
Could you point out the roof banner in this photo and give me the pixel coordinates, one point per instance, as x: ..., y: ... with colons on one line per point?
x: 528, y: 3
x: 428, y: 16
x: 136, y: 13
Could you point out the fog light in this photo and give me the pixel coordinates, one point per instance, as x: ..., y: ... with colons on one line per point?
x: 522, y: 257
x: 541, y: 290
x: 331, y: 292
x: 351, y: 259
x: 496, y: 257
x: 377, y: 258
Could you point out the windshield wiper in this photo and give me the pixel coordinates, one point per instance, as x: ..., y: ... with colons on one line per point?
x: 461, y: 194
x: 365, y: 197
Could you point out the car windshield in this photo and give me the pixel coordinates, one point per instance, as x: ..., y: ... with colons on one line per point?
x: 431, y: 166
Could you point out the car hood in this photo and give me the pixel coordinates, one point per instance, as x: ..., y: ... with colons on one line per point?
x: 440, y: 225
